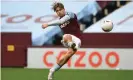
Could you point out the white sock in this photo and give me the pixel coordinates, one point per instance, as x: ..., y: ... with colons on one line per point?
x: 55, y: 68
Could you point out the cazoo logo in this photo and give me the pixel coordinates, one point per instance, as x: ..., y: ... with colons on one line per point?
x: 84, y: 59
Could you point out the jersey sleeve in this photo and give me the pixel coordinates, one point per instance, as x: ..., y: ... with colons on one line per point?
x: 70, y: 14
x: 60, y: 21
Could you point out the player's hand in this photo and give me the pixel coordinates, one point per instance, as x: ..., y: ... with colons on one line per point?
x: 44, y: 25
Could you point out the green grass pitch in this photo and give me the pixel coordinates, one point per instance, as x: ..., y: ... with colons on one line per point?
x: 65, y: 74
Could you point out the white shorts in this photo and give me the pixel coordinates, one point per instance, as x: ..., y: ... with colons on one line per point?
x: 77, y: 41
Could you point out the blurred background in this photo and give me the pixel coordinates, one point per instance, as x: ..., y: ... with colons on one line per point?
x: 28, y: 51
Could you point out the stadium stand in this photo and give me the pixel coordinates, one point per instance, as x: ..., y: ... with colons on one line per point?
x: 106, y: 7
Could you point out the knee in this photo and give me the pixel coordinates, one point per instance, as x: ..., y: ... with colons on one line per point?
x: 67, y: 37
x: 71, y: 51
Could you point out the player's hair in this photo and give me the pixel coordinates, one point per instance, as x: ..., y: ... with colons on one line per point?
x: 57, y: 4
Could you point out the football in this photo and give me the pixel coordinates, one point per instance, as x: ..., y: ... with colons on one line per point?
x: 107, y: 25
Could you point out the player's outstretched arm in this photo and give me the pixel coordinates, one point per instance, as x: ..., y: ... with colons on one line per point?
x: 56, y: 22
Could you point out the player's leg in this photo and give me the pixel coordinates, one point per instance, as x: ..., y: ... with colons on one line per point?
x: 61, y: 62
x: 67, y: 39
x: 72, y: 47
x: 66, y: 57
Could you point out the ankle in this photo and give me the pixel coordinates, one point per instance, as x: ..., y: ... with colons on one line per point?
x: 56, y: 67
x: 52, y: 70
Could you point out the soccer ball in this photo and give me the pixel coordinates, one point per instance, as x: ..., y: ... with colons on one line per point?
x: 107, y: 25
